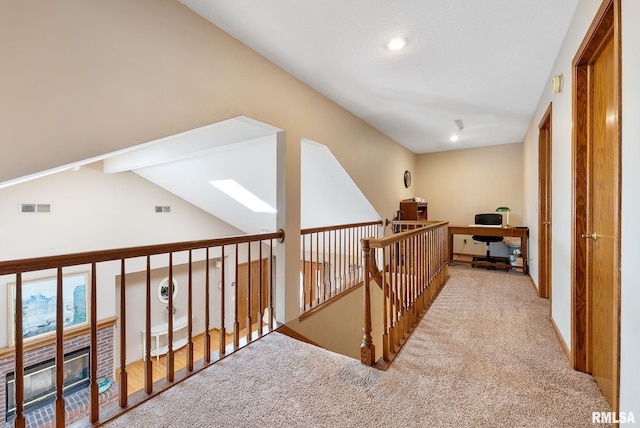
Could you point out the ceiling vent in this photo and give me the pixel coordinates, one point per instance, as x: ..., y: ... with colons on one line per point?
x: 35, y: 208
x: 476, y: 122
x: 163, y: 208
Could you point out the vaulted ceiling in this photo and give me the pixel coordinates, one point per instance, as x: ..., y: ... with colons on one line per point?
x: 472, y: 68
x: 244, y: 150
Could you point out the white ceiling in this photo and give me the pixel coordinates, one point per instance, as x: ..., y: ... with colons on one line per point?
x: 244, y: 150
x: 484, y: 62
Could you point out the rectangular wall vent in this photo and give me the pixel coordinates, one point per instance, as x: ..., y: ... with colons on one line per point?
x: 28, y: 208
x: 35, y: 208
x: 163, y: 208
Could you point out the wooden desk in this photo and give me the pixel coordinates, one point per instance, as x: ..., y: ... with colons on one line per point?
x: 508, y: 232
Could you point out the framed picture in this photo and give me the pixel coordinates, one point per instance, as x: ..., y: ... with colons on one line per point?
x: 39, y: 302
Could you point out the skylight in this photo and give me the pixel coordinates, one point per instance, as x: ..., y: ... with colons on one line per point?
x: 242, y: 195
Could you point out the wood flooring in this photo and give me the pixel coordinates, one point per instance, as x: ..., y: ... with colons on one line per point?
x: 135, y: 370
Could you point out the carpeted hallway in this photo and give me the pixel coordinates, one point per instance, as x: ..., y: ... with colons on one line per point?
x: 484, y: 355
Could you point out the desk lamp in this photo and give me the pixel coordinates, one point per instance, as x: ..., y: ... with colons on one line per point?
x: 504, y: 210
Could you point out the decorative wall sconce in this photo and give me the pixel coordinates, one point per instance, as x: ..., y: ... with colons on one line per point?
x: 557, y: 82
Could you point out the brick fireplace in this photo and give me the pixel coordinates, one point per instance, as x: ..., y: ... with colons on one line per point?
x: 76, y: 399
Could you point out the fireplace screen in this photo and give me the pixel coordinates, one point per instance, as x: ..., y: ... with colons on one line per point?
x: 40, y: 381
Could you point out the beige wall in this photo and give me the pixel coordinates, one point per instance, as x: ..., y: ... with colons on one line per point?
x: 338, y: 327
x: 459, y: 184
x: 81, y: 79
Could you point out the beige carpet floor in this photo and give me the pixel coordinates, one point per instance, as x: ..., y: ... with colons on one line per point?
x: 484, y: 355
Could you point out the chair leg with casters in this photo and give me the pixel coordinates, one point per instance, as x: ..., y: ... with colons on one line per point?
x: 488, y: 258
x: 492, y: 219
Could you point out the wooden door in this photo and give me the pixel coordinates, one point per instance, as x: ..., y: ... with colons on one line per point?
x: 603, y: 211
x: 314, y: 290
x: 595, y: 343
x: 544, y: 205
x: 259, y: 291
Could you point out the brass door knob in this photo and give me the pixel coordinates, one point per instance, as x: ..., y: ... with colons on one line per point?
x: 593, y: 236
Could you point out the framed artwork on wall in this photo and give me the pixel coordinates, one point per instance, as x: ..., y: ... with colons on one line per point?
x: 163, y: 290
x: 39, y: 301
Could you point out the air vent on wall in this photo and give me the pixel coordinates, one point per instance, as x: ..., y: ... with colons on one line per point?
x: 35, y: 208
x: 163, y: 208
x: 28, y: 208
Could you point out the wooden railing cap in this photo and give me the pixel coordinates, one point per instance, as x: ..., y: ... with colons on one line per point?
x: 399, y: 237
x: 50, y: 262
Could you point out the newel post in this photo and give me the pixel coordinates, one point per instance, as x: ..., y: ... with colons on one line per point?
x: 367, y: 349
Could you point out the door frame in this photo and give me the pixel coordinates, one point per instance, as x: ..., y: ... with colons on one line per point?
x: 544, y: 201
x: 605, y: 24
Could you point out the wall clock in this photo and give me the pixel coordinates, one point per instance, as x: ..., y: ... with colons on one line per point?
x: 407, y: 179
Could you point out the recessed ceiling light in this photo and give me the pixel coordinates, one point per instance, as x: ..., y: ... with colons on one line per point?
x: 397, y: 43
x: 454, y: 138
x: 242, y: 195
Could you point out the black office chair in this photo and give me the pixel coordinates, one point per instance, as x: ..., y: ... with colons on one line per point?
x: 491, y: 219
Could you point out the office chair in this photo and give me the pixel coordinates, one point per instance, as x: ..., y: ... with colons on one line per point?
x: 493, y: 219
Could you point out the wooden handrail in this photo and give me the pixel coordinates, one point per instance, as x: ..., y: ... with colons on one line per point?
x: 331, y: 263
x: 414, y: 269
x: 388, y: 222
x: 402, y: 236
x: 339, y: 227
x: 265, y: 291
x: 51, y: 262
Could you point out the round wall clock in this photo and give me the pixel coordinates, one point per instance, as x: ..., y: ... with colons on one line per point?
x: 407, y: 179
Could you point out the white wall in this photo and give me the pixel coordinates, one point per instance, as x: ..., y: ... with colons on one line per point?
x: 562, y: 190
x: 630, y: 317
x: 91, y: 211
x: 136, y: 295
x: 561, y: 171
